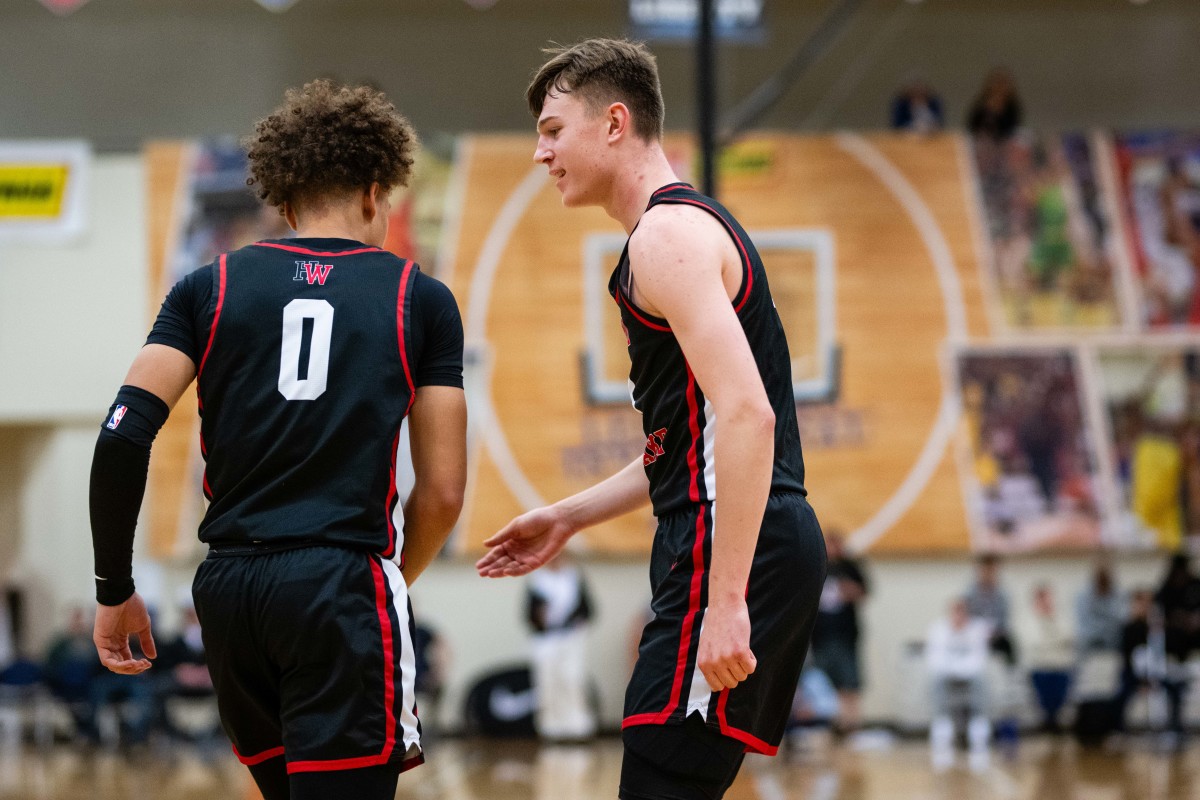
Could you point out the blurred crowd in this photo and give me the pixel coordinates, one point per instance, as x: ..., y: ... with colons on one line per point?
x: 1077, y: 672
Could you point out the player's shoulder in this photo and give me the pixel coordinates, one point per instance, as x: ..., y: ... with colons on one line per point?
x: 431, y: 292
x: 675, y: 229
x: 676, y: 222
x: 198, y: 281
x: 425, y: 282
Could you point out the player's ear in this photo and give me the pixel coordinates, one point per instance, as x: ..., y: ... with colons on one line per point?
x: 372, y: 196
x: 619, y: 121
x: 289, y: 214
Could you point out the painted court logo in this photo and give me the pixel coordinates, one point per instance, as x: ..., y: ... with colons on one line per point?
x: 654, y: 447
x: 117, y: 415
x: 312, y: 271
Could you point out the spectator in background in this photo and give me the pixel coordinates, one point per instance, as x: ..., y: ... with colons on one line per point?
x: 1179, y: 600
x: 432, y: 659
x: 1152, y: 655
x: 8, y: 646
x: 988, y: 602
x: 956, y: 656
x: 559, y: 610
x: 181, y: 666
x: 1051, y: 657
x: 1100, y: 611
x: 996, y: 113
x: 71, y: 668
x: 835, y: 637
x: 917, y: 108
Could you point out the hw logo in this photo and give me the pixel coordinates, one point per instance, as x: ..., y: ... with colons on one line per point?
x: 312, y: 271
x: 654, y: 447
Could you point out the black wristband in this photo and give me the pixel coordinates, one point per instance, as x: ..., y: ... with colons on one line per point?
x: 113, y: 592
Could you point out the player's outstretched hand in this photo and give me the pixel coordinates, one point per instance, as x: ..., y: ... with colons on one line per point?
x: 114, y: 626
x: 724, y: 657
x: 525, y: 544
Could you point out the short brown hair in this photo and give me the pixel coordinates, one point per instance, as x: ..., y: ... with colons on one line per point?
x: 603, y: 71
x: 327, y: 139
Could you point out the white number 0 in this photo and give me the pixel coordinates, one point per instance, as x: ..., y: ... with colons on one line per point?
x: 303, y: 372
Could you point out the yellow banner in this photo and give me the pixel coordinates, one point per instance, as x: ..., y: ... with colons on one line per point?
x: 32, y: 191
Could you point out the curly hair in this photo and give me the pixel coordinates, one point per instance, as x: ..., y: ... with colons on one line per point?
x: 603, y: 71
x: 327, y: 139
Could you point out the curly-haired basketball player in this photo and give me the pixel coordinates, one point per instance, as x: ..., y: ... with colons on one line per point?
x: 308, y: 353
x: 735, y: 580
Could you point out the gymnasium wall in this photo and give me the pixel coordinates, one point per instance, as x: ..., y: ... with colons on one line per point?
x: 119, y: 72
x: 48, y: 430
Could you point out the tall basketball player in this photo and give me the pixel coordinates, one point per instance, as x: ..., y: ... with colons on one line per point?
x: 309, y: 353
x: 736, y: 582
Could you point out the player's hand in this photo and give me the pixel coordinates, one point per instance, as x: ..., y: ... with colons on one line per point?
x: 724, y: 657
x: 525, y: 544
x: 114, y: 625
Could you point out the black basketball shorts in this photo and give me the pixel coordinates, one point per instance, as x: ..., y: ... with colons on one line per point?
x: 311, y: 656
x: 784, y: 588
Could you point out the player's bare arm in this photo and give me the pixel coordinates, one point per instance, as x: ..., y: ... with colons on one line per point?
x: 166, y: 373
x: 437, y: 431
x: 685, y: 269
x: 533, y: 538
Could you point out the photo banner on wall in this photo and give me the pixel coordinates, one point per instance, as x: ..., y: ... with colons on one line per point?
x: 43, y: 187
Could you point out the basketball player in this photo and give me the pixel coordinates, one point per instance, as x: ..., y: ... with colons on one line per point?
x: 308, y: 354
x: 734, y: 592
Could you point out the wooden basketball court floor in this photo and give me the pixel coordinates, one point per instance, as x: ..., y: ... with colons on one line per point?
x: 1044, y: 768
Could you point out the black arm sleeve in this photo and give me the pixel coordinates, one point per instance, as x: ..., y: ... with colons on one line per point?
x: 438, y: 331
x: 186, y: 315
x: 118, y: 483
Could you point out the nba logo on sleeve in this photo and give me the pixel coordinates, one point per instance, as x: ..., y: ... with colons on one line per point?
x: 117, y: 415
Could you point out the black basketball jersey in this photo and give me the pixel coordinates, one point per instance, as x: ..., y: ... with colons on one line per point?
x: 679, y: 423
x: 304, y: 382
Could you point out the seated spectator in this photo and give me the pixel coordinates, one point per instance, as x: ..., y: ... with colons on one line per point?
x: 988, y: 602
x: 917, y: 108
x: 835, y: 638
x: 1100, y: 612
x: 996, y: 113
x: 130, y: 700
x: 70, y: 669
x: 559, y: 611
x: 1050, y: 656
x: 1152, y: 655
x: 181, y: 668
x: 956, y: 656
x: 1179, y: 599
x: 431, y: 657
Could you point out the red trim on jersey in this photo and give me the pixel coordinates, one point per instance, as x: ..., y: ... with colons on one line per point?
x: 669, y: 187
x: 389, y: 660
x: 250, y: 761
x: 389, y: 742
x: 752, y: 742
x: 307, y: 252
x: 639, y: 315
x: 390, y: 550
x: 685, y: 636
x: 212, y: 331
x: 694, y: 427
x: 351, y: 763
x: 412, y: 389
x: 748, y: 282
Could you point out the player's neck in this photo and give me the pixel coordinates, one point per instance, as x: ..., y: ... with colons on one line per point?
x: 633, y: 184
x: 334, y: 223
